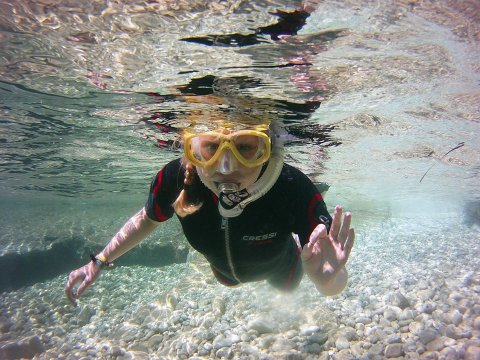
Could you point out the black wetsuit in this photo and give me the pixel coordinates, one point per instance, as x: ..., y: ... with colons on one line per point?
x: 257, y: 244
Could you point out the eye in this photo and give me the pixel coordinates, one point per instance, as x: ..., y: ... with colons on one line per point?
x: 245, y: 148
x: 209, y: 148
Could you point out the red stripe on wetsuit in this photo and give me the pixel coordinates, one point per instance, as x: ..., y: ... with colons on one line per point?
x: 312, y: 218
x: 158, y: 212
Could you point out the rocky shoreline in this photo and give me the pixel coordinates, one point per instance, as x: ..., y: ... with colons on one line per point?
x: 410, y: 296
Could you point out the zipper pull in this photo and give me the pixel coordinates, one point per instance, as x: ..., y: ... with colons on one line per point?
x: 224, y: 223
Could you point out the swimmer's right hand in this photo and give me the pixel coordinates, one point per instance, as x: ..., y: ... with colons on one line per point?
x: 86, y: 275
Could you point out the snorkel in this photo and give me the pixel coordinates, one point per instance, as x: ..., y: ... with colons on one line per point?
x: 231, y: 199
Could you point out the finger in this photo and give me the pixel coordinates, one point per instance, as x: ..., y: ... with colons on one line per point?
x: 349, y: 243
x: 83, y: 286
x: 336, y: 222
x: 70, y: 296
x: 73, y: 278
x: 306, y: 253
x: 344, y: 231
x: 313, y: 242
x: 317, y: 233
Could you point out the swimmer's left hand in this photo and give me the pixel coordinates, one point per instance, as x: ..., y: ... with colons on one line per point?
x: 325, y: 255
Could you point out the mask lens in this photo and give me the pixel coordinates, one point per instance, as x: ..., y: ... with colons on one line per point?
x: 205, y: 147
x: 250, y: 147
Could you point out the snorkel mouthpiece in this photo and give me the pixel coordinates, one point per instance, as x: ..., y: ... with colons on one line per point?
x: 227, y: 187
x: 229, y: 198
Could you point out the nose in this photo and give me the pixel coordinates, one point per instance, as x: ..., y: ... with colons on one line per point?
x: 227, y: 163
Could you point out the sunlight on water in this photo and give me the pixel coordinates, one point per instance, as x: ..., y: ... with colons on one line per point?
x: 93, y: 97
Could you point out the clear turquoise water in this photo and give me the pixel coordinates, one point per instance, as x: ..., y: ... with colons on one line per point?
x: 399, y: 82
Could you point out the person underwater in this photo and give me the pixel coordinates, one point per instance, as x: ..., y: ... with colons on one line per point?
x: 252, y: 216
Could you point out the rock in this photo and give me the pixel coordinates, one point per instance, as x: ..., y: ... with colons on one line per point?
x: 207, y: 321
x: 342, y: 343
x: 426, y: 308
x: 249, y: 350
x: 357, y: 349
x: 429, y: 355
x: 348, y: 333
x: 25, y: 348
x: 415, y: 327
x: 454, y: 317
x: 221, y: 341
x: 472, y: 342
x: 205, y: 349
x: 85, y: 315
x: 375, y: 350
x: 363, y: 320
x: 287, y: 355
x: 309, y: 330
x: 245, y: 337
x: 218, y: 306
x: 283, y: 345
x: 411, y: 356
x: 141, y: 314
x: 449, y: 342
x: 385, y: 323
x: 260, y: 326
x: 394, y: 350
x: 427, y: 335
x: 391, y: 313
x: 126, y: 332
x: 317, y: 339
x: 203, y: 352
x: 187, y: 348
x: 448, y: 354
x: 393, y: 339
x: 35, y: 345
x: 476, y: 323
x: 404, y: 329
x: 467, y: 280
x: 172, y: 301
x: 155, y: 341
x: 475, y: 310
x: 436, y: 344
x: 137, y: 346
x: 410, y: 345
x: 456, y: 333
x: 266, y: 342
x: 345, y: 354
x: 313, y: 348
x: 5, y: 325
x: 472, y: 353
x: 117, y: 351
x: 406, y: 314
x: 399, y: 300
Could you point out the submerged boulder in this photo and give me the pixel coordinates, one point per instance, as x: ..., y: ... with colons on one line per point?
x: 24, y: 348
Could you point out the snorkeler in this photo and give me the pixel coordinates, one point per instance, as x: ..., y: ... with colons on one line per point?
x: 252, y: 216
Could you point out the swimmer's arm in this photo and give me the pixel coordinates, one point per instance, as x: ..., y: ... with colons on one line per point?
x: 133, y: 232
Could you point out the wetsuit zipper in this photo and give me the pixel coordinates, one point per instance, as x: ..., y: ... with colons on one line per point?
x: 226, y: 228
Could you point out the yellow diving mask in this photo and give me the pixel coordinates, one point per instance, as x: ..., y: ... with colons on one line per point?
x: 250, y: 147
